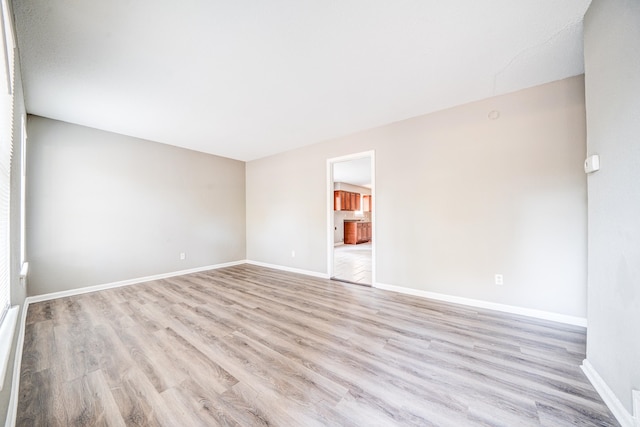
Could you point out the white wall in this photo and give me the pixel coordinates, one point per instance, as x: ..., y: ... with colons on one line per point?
x: 104, y: 207
x: 612, y: 69
x: 459, y: 198
x: 350, y: 187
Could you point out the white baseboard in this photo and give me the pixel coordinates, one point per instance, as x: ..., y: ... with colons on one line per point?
x: 12, y: 409
x: 529, y: 312
x: 71, y: 292
x: 610, y: 399
x: 289, y: 269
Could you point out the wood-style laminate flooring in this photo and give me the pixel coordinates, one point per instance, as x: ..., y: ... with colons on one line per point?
x: 250, y: 346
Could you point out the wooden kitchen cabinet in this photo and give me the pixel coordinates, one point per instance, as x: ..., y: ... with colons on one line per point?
x: 356, y: 232
x: 366, y: 204
x: 346, y: 201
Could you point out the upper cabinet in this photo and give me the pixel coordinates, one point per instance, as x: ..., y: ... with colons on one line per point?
x: 367, y: 206
x: 346, y: 201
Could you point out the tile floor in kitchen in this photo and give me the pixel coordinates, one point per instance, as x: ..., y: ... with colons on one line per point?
x: 353, y: 263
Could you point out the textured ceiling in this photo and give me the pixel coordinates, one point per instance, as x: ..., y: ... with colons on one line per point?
x: 246, y: 79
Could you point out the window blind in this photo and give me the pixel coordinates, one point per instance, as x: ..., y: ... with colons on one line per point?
x: 6, y: 145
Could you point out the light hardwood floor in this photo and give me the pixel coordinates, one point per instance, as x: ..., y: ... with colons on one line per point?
x: 249, y: 346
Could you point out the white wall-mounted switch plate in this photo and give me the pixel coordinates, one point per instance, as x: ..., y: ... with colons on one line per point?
x: 592, y: 164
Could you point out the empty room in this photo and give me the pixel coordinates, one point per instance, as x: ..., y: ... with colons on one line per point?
x: 356, y: 213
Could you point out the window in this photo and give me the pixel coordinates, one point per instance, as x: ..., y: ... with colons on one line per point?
x: 6, y: 144
x: 23, y: 194
x: 8, y: 317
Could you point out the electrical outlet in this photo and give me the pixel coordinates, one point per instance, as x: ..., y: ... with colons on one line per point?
x: 499, y: 279
x: 293, y: 254
x: 183, y: 256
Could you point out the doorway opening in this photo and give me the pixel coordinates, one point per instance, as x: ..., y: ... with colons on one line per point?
x: 351, y: 218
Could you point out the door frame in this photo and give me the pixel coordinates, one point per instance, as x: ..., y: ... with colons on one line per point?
x: 330, y: 223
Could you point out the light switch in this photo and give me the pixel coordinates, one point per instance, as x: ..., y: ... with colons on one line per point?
x: 592, y: 164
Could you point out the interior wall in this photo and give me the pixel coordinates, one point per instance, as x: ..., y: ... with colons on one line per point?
x: 612, y: 69
x: 104, y: 207
x: 459, y: 198
x: 350, y: 187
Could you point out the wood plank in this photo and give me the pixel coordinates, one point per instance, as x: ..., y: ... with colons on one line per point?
x: 207, y: 404
x: 107, y: 412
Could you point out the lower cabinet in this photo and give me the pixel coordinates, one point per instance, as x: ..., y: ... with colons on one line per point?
x: 356, y: 232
